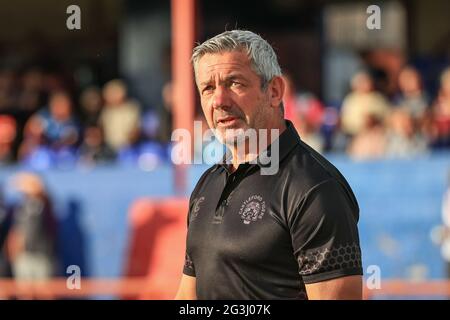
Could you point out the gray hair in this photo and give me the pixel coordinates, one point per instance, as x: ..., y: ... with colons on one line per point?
x: 261, y: 54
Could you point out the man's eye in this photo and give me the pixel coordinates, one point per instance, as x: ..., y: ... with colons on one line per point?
x: 235, y: 84
x: 207, y: 89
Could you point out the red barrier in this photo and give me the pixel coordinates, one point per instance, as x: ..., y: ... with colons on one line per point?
x: 146, y: 288
x: 157, y: 245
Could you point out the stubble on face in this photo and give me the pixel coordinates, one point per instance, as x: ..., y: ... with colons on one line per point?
x: 244, y: 102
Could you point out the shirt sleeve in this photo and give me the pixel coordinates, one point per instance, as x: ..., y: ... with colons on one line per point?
x: 324, y: 233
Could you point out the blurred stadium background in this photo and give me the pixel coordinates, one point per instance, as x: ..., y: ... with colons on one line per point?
x: 86, y: 118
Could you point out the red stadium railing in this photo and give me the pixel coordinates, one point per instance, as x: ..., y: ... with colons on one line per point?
x: 408, y: 289
x: 57, y: 288
x: 143, y: 288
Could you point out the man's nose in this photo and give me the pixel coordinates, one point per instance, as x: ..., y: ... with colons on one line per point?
x: 221, y: 98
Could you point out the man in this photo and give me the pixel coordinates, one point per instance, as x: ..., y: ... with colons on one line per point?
x: 287, y: 235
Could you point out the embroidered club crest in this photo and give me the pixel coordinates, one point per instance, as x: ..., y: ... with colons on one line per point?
x: 252, y: 209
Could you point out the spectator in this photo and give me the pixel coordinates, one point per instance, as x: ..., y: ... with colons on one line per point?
x: 361, y: 103
x: 306, y: 113
x: 31, y: 241
x: 440, y: 118
x: 411, y: 96
x: 370, y: 142
x: 139, y: 152
x: 91, y: 104
x: 403, y: 140
x: 120, y: 117
x: 94, y: 150
x: 337, y: 141
x: 310, y: 134
x: 50, y: 136
x: 302, y: 106
x: 59, y: 125
x: 33, y: 137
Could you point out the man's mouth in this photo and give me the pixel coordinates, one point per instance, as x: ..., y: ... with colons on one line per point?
x: 226, y: 121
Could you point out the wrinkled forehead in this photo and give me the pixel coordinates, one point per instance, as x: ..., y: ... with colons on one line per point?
x: 219, y: 64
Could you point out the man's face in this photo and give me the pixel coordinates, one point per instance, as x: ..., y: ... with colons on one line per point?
x: 231, y: 94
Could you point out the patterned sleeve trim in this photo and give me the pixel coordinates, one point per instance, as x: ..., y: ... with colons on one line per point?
x: 327, y: 263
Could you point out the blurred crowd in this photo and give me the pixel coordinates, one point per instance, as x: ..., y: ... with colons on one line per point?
x: 43, y: 125
x: 371, y: 124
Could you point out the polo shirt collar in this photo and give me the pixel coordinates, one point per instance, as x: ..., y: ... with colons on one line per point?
x: 288, y: 139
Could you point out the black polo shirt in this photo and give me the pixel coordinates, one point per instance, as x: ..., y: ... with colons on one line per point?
x: 254, y: 236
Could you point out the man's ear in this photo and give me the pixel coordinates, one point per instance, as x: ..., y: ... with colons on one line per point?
x: 276, y: 91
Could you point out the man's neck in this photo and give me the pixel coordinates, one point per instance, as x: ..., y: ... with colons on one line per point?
x: 271, y: 134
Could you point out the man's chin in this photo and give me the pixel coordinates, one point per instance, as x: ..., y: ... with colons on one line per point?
x: 230, y: 136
